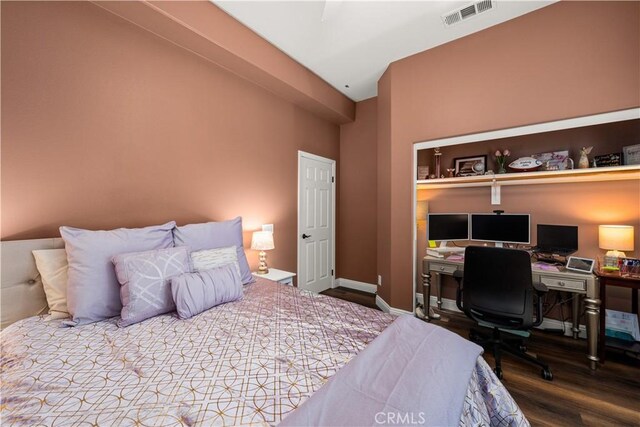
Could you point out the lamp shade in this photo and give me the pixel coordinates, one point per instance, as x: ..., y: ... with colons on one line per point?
x: 262, y: 241
x: 618, y: 237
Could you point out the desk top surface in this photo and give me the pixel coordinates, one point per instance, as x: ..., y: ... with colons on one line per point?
x: 459, y: 261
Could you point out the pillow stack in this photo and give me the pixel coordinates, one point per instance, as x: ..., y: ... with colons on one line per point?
x: 143, y: 272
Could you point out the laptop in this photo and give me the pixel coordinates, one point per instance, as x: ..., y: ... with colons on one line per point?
x: 559, y: 240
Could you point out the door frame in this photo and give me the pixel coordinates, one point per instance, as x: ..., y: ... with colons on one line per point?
x: 301, y: 155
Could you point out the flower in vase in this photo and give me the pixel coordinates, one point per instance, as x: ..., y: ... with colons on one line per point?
x: 501, y: 158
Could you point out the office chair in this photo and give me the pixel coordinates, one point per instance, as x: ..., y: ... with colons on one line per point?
x: 497, y: 291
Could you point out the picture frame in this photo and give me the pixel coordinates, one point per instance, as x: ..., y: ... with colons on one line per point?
x: 631, y: 154
x: 423, y: 172
x: 608, y: 160
x: 470, y: 166
x: 553, y: 160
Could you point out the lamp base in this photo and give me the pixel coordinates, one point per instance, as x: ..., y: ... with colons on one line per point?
x: 262, y: 268
x: 616, y: 254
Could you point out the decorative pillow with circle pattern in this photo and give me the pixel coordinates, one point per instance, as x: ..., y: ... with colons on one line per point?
x: 145, y: 279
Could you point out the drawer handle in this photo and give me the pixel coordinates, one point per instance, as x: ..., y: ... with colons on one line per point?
x: 561, y: 283
x: 441, y: 268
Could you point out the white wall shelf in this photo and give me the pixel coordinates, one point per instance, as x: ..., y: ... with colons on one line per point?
x: 614, y: 173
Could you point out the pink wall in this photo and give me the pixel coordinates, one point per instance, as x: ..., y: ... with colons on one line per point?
x: 357, y: 219
x: 208, y: 31
x: 586, y: 205
x: 106, y: 125
x: 566, y: 60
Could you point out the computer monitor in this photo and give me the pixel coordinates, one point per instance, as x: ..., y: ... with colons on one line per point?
x: 447, y: 226
x: 560, y: 239
x: 503, y: 228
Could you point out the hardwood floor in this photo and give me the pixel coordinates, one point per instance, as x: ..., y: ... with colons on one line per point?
x: 577, y: 396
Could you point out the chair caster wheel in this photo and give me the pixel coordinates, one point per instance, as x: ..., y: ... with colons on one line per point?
x: 547, y: 375
x: 498, y: 372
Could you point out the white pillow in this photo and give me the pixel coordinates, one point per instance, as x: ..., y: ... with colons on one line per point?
x: 52, y: 265
x: 214, y: 258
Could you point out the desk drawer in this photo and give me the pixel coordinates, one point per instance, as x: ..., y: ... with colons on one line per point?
x: 557, y: 283
x: 442, y: 268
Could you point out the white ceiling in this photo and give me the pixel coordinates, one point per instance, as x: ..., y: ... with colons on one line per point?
x: 348, y: 42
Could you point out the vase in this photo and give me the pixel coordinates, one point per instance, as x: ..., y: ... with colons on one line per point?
x: 501, y: 169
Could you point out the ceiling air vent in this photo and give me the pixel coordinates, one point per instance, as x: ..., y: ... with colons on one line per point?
x: 464, y: 13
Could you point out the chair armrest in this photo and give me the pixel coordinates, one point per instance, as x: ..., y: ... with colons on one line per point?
x: 540, y: 288
x: 458, y: 275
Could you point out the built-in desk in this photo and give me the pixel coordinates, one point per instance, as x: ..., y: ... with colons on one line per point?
x: 585, y: 286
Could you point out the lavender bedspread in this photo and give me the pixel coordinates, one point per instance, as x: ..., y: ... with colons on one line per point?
x: 414, y: 373
x: 248, y: 362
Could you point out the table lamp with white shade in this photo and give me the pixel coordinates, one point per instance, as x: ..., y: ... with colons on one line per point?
x: 615, y: 238
x: 262, y: 241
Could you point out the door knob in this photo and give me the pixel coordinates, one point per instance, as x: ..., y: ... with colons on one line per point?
x: 306, y: 236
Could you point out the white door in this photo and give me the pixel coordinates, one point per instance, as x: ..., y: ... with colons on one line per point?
x: 316, y: 222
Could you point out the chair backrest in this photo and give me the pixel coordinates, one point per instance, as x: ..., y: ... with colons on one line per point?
x: 498, y: 286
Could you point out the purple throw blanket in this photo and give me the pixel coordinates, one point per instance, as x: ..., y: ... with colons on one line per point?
x: 413, y: 373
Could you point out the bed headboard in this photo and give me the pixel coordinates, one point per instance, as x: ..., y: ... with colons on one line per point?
x: 21, y: 291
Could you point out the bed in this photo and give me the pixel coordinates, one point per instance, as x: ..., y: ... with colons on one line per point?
x: 248, y: 362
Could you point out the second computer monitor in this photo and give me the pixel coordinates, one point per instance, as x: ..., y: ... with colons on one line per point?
x: 562, y: 239
x: 503, y: 228
x: 447, y: 227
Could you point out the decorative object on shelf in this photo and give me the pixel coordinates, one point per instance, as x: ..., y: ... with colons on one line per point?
x: 437, y: 154
x: 262, y: 241
x: 583, y: 163
x: 614, y: 239
x: 470, y: 166
x: 423, y: 172
x: 631, y: 154
x: 630, y: 267
x: 612, y: 159
x: 501, y: 158
x: 554, y: 160
x: 450, y: 172
x: 525, y: 164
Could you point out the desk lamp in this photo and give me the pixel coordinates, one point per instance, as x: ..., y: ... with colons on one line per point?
x: 262, y: 241
x: 615, y: 238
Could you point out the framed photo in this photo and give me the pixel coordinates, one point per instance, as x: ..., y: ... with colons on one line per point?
x: 631, y: 154
x: 423, y: 172
x: 613, y: 159
x: 553, y: 161
x: 470, y: 166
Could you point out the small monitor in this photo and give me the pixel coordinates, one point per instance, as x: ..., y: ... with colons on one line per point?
x: 448, y: 226
x: 557, y: 238
x: 503, y: 228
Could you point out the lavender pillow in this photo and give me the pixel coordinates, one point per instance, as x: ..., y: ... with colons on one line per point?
x: 213, y: 235
x: 196, y: 292
x: 145, y: 279
x: 93, y: 292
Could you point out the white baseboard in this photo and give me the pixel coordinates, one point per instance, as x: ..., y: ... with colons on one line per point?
x: 382, y: 305
x: 358, y: 286
x: 450, y: 305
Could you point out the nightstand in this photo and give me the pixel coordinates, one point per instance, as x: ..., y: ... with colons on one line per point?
x: 280, y: 276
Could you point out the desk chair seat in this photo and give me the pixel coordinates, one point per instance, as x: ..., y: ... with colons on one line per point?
x: 497, y: 291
